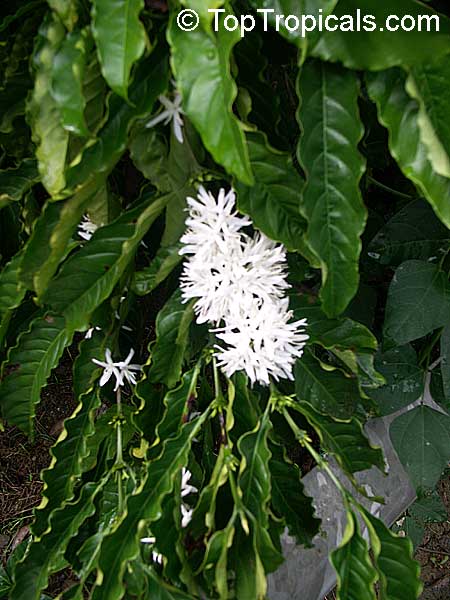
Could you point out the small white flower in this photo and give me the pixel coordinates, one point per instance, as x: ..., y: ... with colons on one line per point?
x: 121, y: 370
x: 172, y: 112
x: 156, y: 557
x: 86, y: 228
x: 186, y: 515
x: 90, y: 331
x: 186, y: 488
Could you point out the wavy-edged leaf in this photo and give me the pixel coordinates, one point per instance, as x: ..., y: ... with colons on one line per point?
x: 66, y: 11
x: 418, y: 301
x: 11, y: 291
x: 332, y: 203
x: 404, y: 379
x: 29, y: 365
x: 289, y: 499
x: 355, y: 573
x: 421, y: 438
x: 89, y: 276
x: 50, y: 238
x: 31, y: 575
x: 142, y: 508
x: 375, y: 47
x: 49, y: 135
x: 150, y: 81
x: 345, y: 440
x: 165, y: 261
x: 67, y: 80
x: 14, y: 183
x: 120, y: 38
x: 414, y: 232
x: 273, y: 202
x: 201, y: 64
x: 330, y: 392
x: 399, y: 573
x: 172, y: 330
x: 399, y: 113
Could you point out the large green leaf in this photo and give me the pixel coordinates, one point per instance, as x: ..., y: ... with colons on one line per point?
x: 378, y: 48
x: 29, y: 366
x: 112, y: 139
x: 421, y: 438
x: 404, y: 379
x: 142, y: 508
x: 332, y: 204
x: 413, y: 233
x: 201, y: 64
x: 14, y: 183
x: 165, y: 261
x: 31, y: 575
x: 330, y: 392
x: 48, y: 133
x: 355, y: 572
x: 67, y: 81
x: 273, y: 202
x: 398, y: 571
x: 345, y: 440
x: 172, y: 330
x: 418, y: 301
x: 400, y: 114
x: 89, y: 276
x: 11, y: 291
x: 289, y: 499
x: 120, y: 38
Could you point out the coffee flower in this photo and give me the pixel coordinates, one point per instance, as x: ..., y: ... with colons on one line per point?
x: 172, y: 112
x: 86, y: 228
x: 121, y: 370
x: 156, y: 557
x: 239, y: 284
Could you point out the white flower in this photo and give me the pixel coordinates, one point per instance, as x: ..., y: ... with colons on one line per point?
x: 239, y: 282
x: 172, y: 112
x: 90, y: 331
x: 86, y: 228
x: 263, y: 343
x: 121, y: 370
x: 186, y: 515
x: 186, y: 488
x: 156, y: 557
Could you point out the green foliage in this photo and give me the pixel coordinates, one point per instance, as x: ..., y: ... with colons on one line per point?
x: 338, y: 146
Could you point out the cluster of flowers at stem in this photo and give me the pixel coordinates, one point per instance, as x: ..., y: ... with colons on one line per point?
x: 239, y: 282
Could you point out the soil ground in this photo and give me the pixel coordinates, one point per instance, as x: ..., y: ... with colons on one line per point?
x: 22, y: 460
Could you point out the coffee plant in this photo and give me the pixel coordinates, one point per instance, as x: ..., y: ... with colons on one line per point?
x: 243, y: 239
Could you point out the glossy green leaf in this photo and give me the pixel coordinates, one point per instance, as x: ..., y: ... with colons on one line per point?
x: 418, y: 301
x: 48, y: 133
x: 89, y: 276
x: 421, y: 438
x: 142, y: 508
x: 31, y: 575
x: 354, y: 570
x: 345, y: 440
x: 376, y: 47
x: 11, y: 291
x: 112, y: 139
x: 67, y: 81
x: 330, y: 392
x: 273, y: 202
x: 172, y: 331
x: 201, y: 64
x: 14, y: 183
x: 413, y: 233
x: 289, y: 499
x: 332, y: 204
x: 404, y: 379
x: 166, y: 260
x: 400, y: 114
x: 398, y: 571
x: 120, y: 38
x: 28, y: 368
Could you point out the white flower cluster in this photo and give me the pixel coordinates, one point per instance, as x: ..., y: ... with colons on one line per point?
x: 239, y: 284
